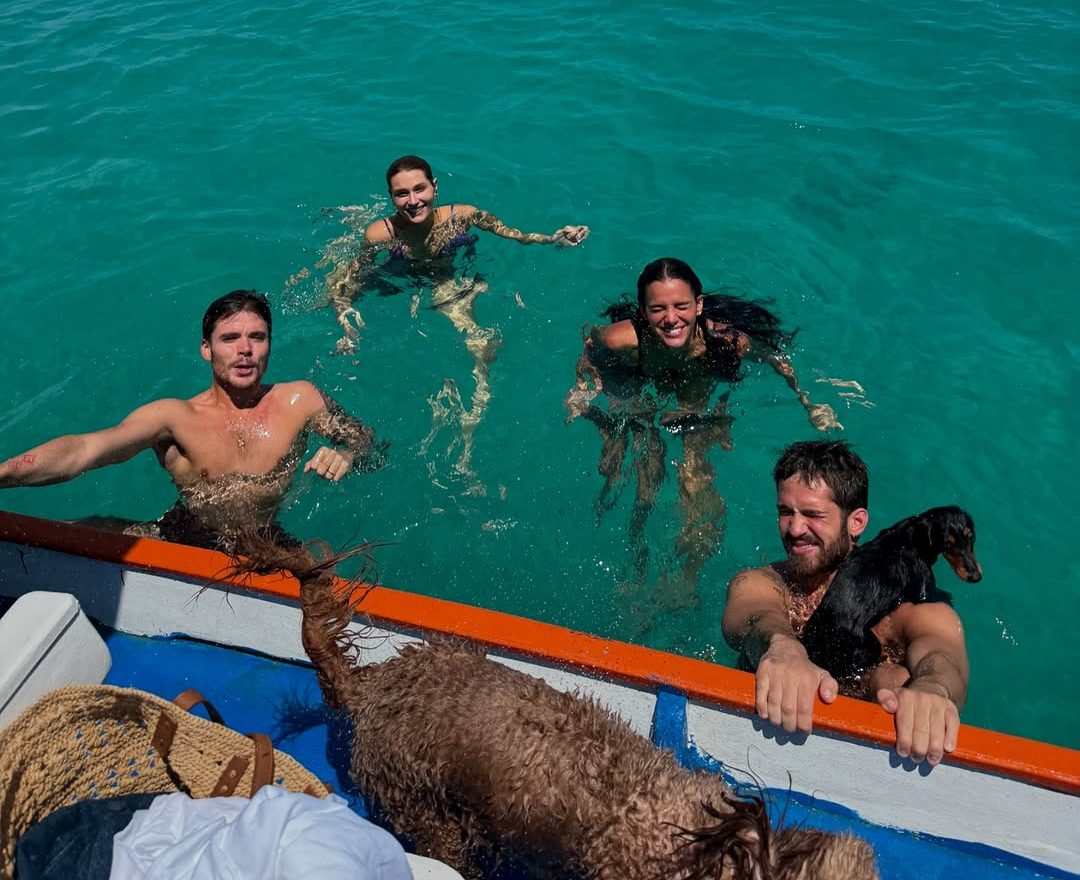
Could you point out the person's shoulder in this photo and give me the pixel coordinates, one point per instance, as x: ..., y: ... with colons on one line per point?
x: 458, y: 213
x: 165, y: 414
x: 619, y: 336
x: 297, y: 391
x: 766, y: 575
x: 165, y: 407
x: 380, y: 230
x: 753, y: 590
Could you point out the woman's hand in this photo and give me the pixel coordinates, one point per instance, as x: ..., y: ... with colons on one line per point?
x: 347, y: 343
x: 570, y: 236
x: 578, y: 401
x: 822, y: 417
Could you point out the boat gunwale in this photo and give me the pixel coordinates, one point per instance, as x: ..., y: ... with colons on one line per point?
x: 1032, y: 761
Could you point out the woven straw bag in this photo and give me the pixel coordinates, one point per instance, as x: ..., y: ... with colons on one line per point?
x: 90, y: 741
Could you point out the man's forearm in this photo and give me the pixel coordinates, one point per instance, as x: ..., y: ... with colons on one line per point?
x: 939, y: 672
x: 352, y: 435
x: 54, y: 462
x: 755, y: 636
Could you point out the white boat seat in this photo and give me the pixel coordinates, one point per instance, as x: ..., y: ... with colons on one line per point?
x: 46, y: 642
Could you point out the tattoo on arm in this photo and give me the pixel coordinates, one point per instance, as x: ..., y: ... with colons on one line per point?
x: 928, y: 665
x: 20, y: 461
x: 936, y: 665
x: 490, y: 223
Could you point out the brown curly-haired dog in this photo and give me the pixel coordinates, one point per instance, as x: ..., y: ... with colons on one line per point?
x: 464, y: 754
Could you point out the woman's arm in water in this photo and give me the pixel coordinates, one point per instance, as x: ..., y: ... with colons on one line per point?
x: 343, y: 287
x: 567, y: 236
x: 603, y: 347
x: 821, y: 415
x: 65, y: 458
x: 586, y: 388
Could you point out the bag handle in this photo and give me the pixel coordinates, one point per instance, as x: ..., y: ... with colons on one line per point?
x: 261, y: 774
x: 263, y: 771
x: 189, y: 699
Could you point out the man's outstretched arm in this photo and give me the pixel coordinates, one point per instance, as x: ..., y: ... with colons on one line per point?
x: 65, y: 458
x: 786, y: 682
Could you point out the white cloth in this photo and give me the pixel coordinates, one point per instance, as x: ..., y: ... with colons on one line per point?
x: 276, y: 835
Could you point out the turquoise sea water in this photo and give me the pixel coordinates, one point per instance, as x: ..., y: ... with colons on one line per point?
x: 902, y: 181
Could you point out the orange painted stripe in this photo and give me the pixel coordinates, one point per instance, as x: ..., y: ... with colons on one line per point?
x: 1032, y: 761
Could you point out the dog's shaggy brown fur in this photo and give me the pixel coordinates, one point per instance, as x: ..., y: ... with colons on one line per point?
x: 464, y: 754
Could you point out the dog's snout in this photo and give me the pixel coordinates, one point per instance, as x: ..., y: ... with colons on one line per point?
x: 966, y: 566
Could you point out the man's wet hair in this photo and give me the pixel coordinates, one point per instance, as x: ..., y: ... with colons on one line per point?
x: 232, y: 304
x: 833, y: 462
x: 408, y: 163
x: 663, y: 269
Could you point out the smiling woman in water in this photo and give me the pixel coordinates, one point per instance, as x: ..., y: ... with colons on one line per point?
x: 422, y: 238
x: 659, y: 363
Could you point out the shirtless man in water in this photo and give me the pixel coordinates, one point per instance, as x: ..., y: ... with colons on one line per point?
x: 231, y: 450
x: 821, y: 496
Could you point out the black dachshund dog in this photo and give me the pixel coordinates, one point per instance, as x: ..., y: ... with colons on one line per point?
x: 877, y: 578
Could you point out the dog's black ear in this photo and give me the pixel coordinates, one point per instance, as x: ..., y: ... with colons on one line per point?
x: 963, y: 526
x: 927, y: 533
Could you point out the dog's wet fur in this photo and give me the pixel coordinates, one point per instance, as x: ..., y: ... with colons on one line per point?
x: 474, y: 762
x: 876, y: 578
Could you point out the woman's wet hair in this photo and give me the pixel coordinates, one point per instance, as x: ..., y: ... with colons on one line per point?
x: 834, y: 463
x: 408, y: 163
x: 663, y: 269
x: 233, y: 303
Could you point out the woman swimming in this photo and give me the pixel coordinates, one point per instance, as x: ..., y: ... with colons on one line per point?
x: 422, y: 235
x: 676, y: 345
